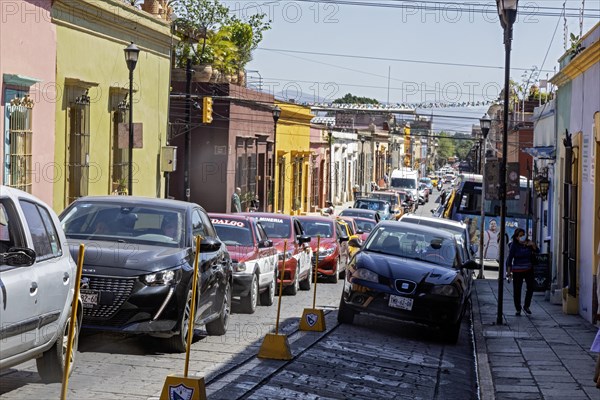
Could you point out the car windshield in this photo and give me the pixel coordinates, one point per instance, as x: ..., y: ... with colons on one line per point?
x: 447, y: 227
x: 354, y: 212
x: 417, y: 245
x: 233, y: 232
x: 365, y: 225
x: 370, y: 205
x: 115, y: 222
x: 315, y: 228
x: 408, y: 183
x: 276, y: 228
x: 390, y: 198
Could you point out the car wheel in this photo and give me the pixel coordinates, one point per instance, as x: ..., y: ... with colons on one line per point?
x: 218, y: 327
x: 294, y: 287
x: 178, y: 343
x: 248, y: 303
x: 334, y: 278
x: 51, y: 364
x: 345, y: 313
x: 267, y: 298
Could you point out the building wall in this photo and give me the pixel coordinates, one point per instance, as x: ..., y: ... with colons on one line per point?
x: 319, y: 149
x: 91, y: 37
x: 27, y: 31
x: 293, y: 140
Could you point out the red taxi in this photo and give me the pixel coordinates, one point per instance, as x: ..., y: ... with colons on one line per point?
x: 253, y: 257
x: 279, y: 228
x: 333, y: 249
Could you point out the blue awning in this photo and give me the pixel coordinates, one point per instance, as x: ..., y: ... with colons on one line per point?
x: 541, y: 152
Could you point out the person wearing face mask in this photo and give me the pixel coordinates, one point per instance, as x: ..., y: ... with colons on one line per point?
x: 519, y: 264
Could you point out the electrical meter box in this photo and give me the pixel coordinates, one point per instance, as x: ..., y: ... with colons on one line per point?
x: 168, y: 158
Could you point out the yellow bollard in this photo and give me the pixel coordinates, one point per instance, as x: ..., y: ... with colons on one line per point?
x: 276, y: 346
x: 313, y: 319
x: 181, y: 386
x: 73, y: 324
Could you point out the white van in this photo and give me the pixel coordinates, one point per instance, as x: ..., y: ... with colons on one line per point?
x: 407, y: 180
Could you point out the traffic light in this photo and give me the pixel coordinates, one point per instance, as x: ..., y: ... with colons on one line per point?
x: 207, y: 110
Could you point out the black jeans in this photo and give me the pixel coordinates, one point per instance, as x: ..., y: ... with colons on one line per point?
x: 518, y: 278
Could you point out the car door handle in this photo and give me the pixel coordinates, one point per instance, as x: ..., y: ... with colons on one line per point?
x: 33, y: 288
x: 66, y: 277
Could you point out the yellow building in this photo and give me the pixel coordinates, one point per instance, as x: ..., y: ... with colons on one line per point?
x: 92, y: 80
x: 293, y: 159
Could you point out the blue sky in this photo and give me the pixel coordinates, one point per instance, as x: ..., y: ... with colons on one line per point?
x: 440, y: 33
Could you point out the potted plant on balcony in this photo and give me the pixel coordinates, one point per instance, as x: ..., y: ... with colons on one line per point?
x: 246, y: 35
x: 195, y: 22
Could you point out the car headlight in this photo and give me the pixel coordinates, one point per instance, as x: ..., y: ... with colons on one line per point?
x: 445, y: 290
x: 288, y: 255
x: 239, y: 267
x: 366, y: 275
x: 323, y: 252
x: 162, y: 278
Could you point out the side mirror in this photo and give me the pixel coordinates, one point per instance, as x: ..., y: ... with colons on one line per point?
x: 265, y: 244
x: 344, y: 239
x: 303, y: 239
x: 359, y: 232
x: 209, y: 245
x: 355, y: 242
x: 471, y: 264
x: 18, y: 257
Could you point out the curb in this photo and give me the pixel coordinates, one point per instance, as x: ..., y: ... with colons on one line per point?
x: 484, y: 373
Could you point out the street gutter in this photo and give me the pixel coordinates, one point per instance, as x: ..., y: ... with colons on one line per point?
x: 485, y: 382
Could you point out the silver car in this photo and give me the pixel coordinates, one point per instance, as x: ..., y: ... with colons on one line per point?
x: 37, y: 283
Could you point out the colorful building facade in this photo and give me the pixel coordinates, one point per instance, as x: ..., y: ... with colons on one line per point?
x: 27, y: 96
x: 578, y: 172
x: 92, y: 104
x: 292, y: 172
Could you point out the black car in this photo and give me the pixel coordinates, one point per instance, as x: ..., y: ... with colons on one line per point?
x: 411, y: 273
x: 138, y: 266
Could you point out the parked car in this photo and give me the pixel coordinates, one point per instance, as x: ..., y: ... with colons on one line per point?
x: 358, y: 212
x: 381, y: 206
x: 333, y: 253
x: 253, y: 256
x: 353, y: 232
x: 365, y: 225
x: 428, y: 182
x: 138, y: 268
x: 298, y: 268
x: 409, y: 272
x: 37, y: 278
x: 459, y: 228
x: 393, y: 198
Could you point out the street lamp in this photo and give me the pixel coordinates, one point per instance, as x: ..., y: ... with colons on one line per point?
x: 485, y: 123
x: 507, y: 11
x: 276, y: 115
x: 131, y: 57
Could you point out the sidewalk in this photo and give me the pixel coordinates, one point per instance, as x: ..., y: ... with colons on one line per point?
x: 540, y: 356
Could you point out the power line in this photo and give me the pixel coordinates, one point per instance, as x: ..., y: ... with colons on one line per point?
x: 373, y: 58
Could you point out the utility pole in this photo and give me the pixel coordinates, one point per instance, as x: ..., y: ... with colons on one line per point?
x: 188, y: 129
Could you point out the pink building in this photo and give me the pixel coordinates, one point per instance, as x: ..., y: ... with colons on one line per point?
x: 27, y: 96
x: 319, y: 169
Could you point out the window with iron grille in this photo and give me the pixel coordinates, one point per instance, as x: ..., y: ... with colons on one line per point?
x: 17, y: 141
x: 315, y: 186
x: 78, y: 148
x: 120, y: 156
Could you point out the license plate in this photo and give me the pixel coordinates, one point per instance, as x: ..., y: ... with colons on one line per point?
x: 403, y: 303
x: 89, y: 298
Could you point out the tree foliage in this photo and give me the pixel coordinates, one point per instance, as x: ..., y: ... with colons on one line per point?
x: 352, y: 99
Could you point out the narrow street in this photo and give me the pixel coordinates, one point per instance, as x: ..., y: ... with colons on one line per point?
x: 372, y: 357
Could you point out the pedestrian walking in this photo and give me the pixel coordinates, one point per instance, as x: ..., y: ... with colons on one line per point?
x: 519, y: 264
x: 236, y: 204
